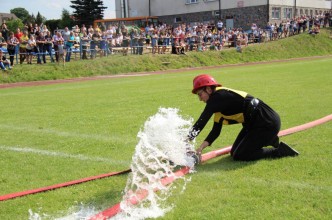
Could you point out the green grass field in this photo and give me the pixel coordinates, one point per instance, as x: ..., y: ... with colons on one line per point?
x: 58, y: 133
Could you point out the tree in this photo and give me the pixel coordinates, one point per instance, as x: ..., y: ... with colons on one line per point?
x: 53, y: 24
x: 39, y: 19
x: 12, y: 24
x: 31, y: 19
x: 21, y: 13
x: 86, y: 11
x: 66, y: 20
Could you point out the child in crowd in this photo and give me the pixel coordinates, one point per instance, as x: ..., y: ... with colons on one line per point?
x: 238, y: 46
x: 315, y: 30
x: 30, y: 48
x: 61, y: 52
x: 4, y: 62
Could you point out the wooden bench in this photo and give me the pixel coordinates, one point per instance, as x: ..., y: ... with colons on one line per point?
x: 123, y: 50
x: 149, y: 48
x: 228, y: 43
x: 167, y: 49
x: 116, y: 49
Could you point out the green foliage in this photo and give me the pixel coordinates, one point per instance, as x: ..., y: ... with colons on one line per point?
x: 12, y: 25
x: 66, y: 20
x: 21, y: 13
x: 32, y: 19
x: 87, y: 11
x: 53, y: 24
x: 40, y: 19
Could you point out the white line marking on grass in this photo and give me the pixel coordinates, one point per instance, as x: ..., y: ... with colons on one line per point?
x: 31, y: 129
x: 62, y: 84
x: 64, y: 155
x: 279, y: 183
x: 293, y: 184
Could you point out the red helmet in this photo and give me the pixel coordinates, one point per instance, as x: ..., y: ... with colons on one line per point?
x: 203, y: 80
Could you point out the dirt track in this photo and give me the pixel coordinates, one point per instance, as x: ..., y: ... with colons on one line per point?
x: 49, y: 82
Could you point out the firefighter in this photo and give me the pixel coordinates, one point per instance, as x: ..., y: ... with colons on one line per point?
x: 260, y: 123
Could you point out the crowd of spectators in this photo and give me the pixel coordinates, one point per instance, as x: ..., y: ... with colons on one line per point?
x: 37, y: 41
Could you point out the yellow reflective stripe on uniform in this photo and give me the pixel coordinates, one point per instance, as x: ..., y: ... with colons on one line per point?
x: 227, y: 118
x: 217, y: 117
x: 241, y: 93
x: 237, y: 117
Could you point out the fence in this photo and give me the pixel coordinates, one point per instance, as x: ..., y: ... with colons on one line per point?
x: 88, y: 49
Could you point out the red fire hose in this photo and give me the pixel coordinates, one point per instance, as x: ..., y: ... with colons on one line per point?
x: 43, y: 189
x: 165, y: 181
x: 141, y: 194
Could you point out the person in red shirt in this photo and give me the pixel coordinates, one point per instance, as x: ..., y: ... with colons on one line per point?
x: 18, y: 34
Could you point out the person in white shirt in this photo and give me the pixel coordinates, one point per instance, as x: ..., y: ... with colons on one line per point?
x: 66, y: 34
x: 219, y: 25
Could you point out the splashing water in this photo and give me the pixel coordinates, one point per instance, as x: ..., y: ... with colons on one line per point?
x: 161, y: 148
x: 78, y: 212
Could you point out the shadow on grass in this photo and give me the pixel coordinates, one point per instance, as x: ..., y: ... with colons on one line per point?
x: 105, y: 200
x: 225, y: 163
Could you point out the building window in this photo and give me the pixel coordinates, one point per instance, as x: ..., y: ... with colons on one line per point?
x: 177, y: 20
x: 191, y: 1
x: 216, y: 13
x: 288, y: 13
x: 306, y: 12
x: 275, y: 13
x: 301, y: 12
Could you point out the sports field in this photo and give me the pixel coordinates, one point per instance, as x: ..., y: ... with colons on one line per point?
x: 57, y: 133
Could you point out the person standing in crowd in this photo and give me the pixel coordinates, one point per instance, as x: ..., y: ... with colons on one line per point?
x: 90, y: 29
x: 36, y: 29
x: 83, y: 29
x: 93, y: 44
x: 4, y: 31
x: 141, y: 40
x: 260, y: 123
x: 154, y: 41
x: 12, y: 42
x: 40, y: 39
x: 3, y: 42
x: 103, y: 44
x: 30, y: 29
x: 134, y: 35
x: 69, y: 44
x: 85, y: 41
x: 125, y: 43
x: 66, y: 34
x: 76, y: 29
x: 23, y: 44
x: 49, y: 45
x: 220, y: 25
x: 61, y: 51
x: 56, y: 39
x: 18, y: 34
x: 31, y: 45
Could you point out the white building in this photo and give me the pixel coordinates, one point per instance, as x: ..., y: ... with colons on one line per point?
x: 239, y: 13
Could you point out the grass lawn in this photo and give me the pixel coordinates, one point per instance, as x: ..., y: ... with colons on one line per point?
x: 58, y: 133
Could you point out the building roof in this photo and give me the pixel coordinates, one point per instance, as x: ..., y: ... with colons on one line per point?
x: 6, y: 16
